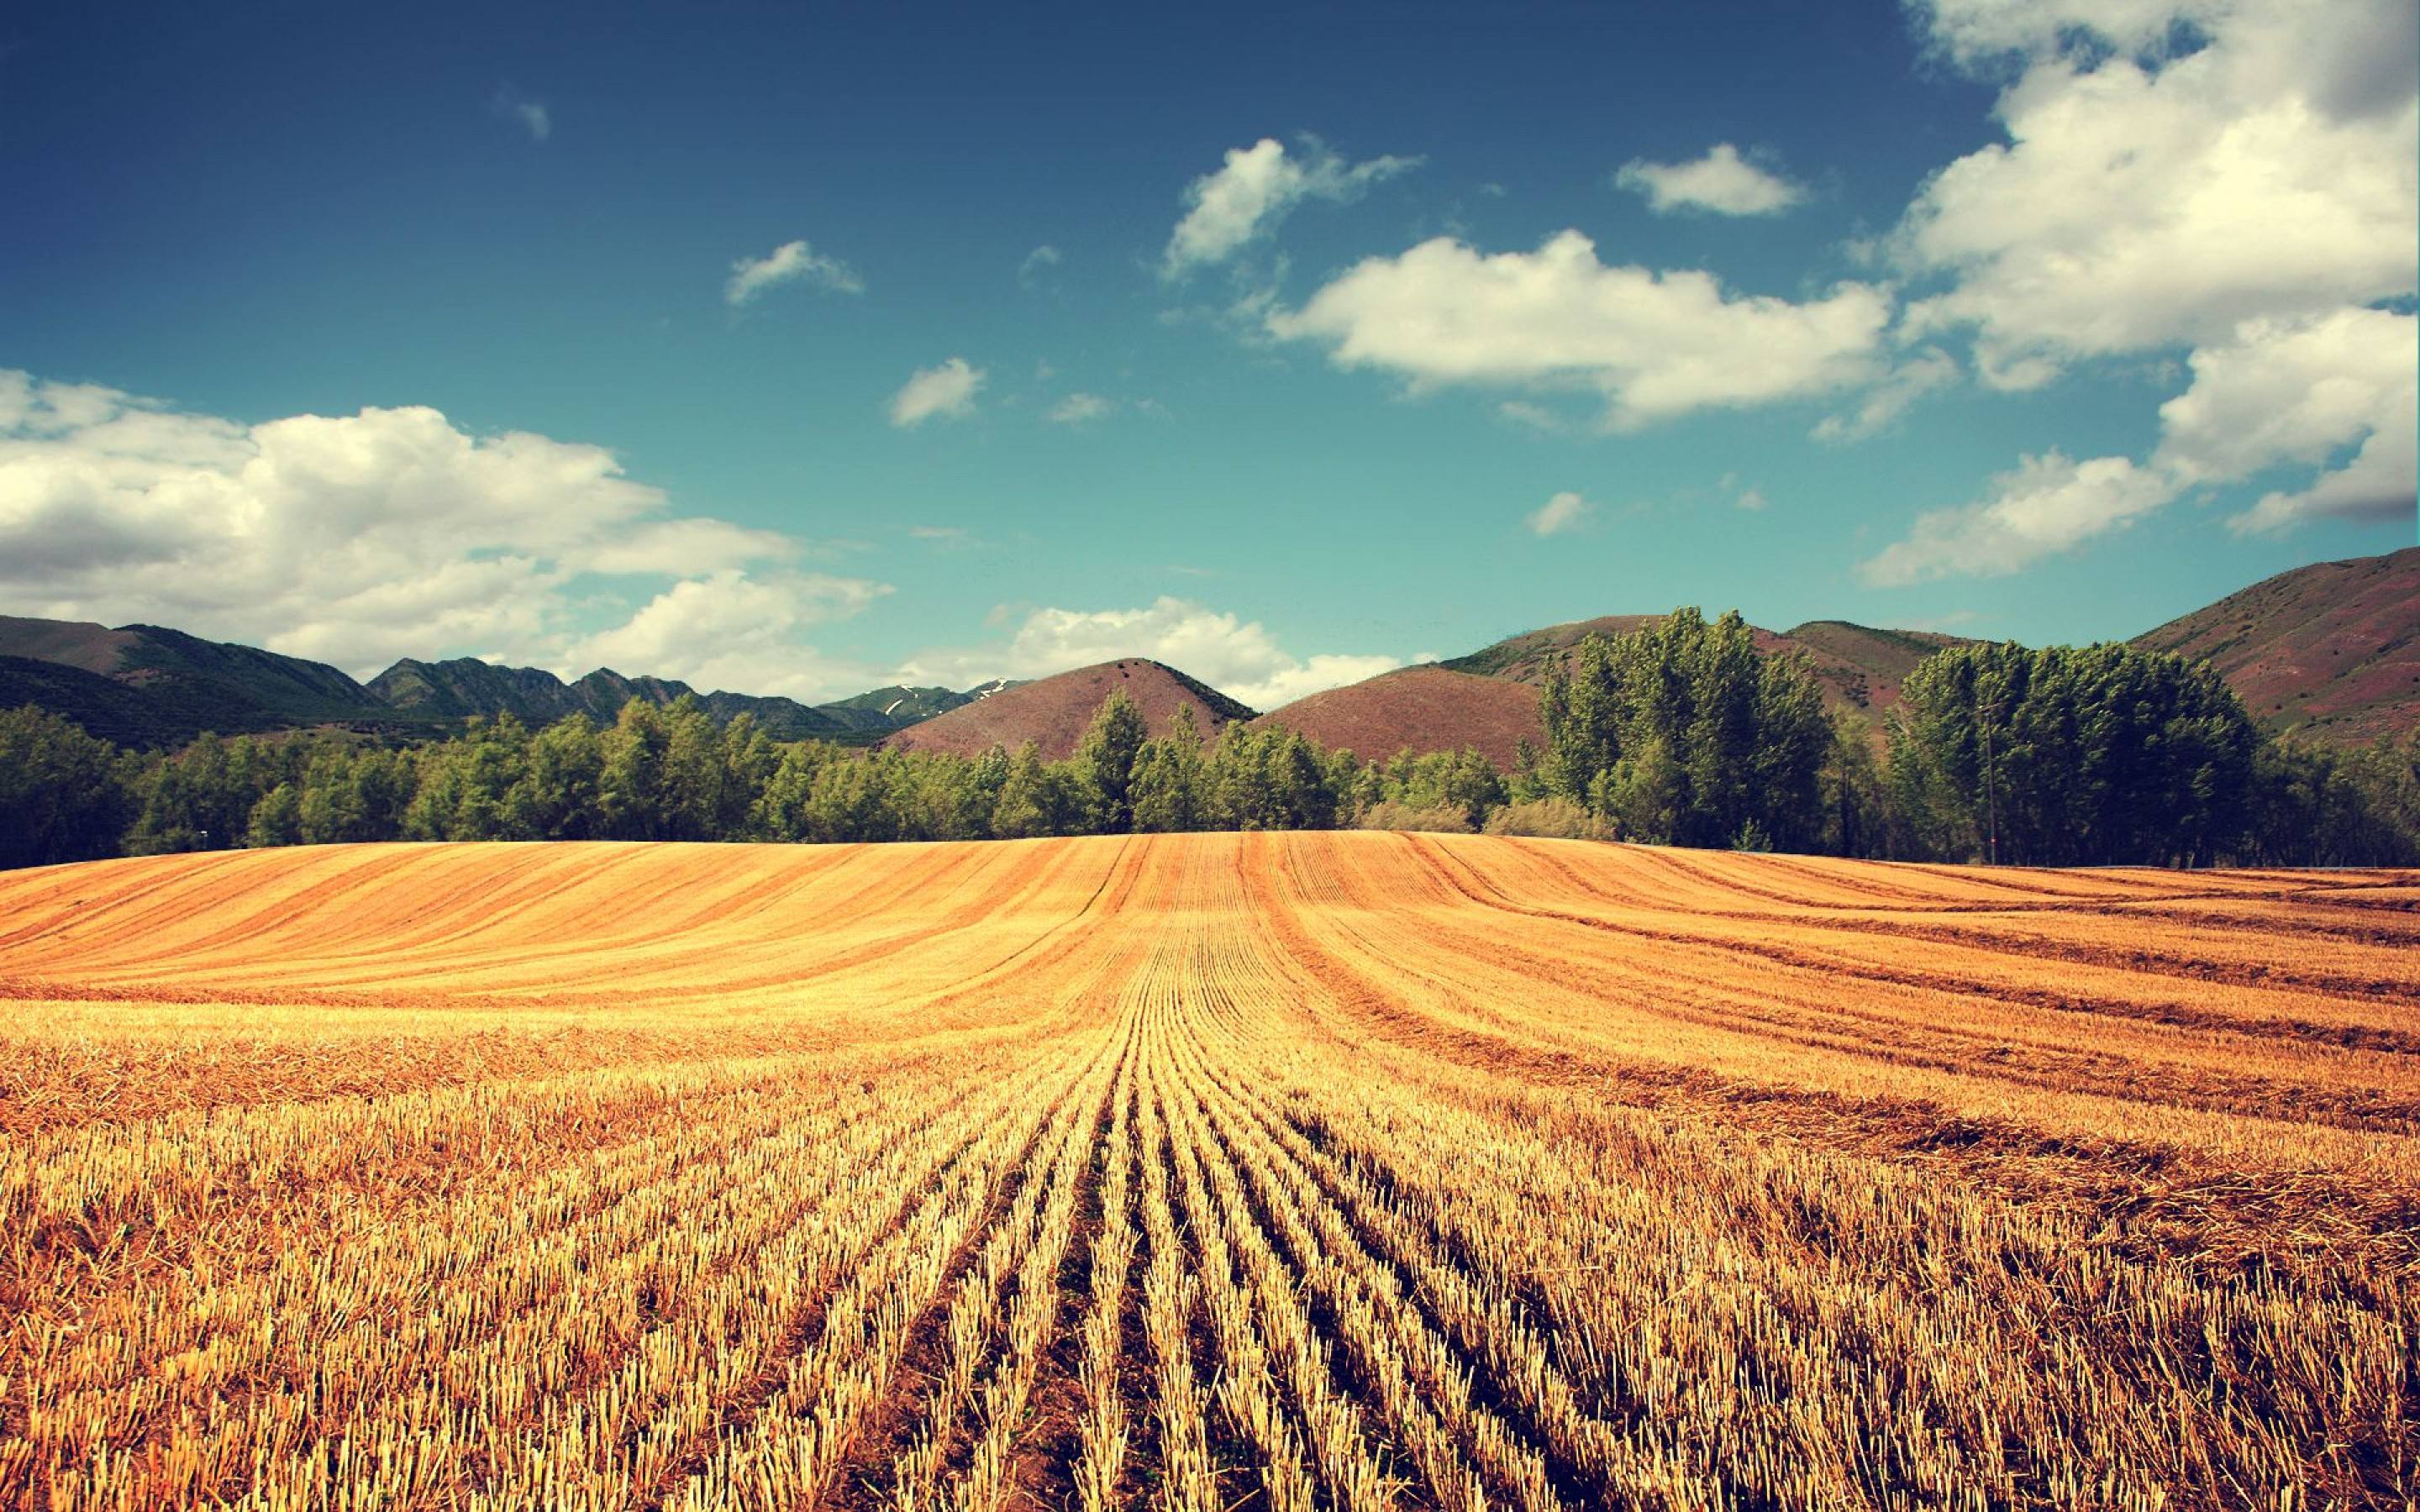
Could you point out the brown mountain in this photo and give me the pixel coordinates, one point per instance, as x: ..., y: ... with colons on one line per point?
x: 1054, y: 712
x: 1859, y: 667
x: 1421, y: 709
x: 2331, y: 650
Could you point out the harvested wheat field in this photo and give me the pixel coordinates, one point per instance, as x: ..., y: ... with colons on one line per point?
x: 1312, y: 1171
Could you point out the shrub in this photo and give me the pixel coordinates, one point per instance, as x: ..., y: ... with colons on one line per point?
x: 1549, y: 818
x: 1444, y: 819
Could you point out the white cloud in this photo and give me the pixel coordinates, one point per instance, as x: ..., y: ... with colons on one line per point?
x: 682, y: 547
x: 2145, y: 200
x: 531, y: 115
x: 947, y: 390
x: 2048, y: 505
x: 790, y: 263
x: 1037, y: 262
x: 352, y: 539
x: 1973, y: 32
x: 1255, y: 189
x: 2231, y: 176
x: 1750, y: 499
x: 1565, y: 511
x: 1721, y: 181
x: 1910, y: 380
x: 944, y: 533
x: 1654, y: 344
x: 2294, y: 394
x: 1239, y: 658
x: 2298, y: 393
x: 734, y: 633
x: 1079, y: 407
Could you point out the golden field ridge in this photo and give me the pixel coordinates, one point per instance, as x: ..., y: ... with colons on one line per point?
x: 1307, y: 1170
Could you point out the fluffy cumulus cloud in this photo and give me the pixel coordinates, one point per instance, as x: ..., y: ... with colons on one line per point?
x: 1254, y: 190
x: 1654, y: 345
x: 1565, y: 511
x: 2291, y: 397
x: 737, y: 631
x: 792, y: 262
x: 1722, y: 181
x: 947, y: 392
x: 2233, y: 178
x: 2047, y: 505
x: 2144, y: 200
x: 1239, y: 658
x: 359, y: 538
x: 2296, y: 395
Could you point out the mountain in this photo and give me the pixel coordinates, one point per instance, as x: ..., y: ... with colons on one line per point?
x: 466, y: 685
x: 164, y: 687
x: 133, y: 716
x: 1859, y: 668
x: 2330, y: 651
x: 143, y: 684
x: 899, y: 705
x: 1054, y: 712
x: 1423, y: 708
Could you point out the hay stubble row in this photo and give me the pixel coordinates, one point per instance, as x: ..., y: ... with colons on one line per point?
x: 1314, y: 1171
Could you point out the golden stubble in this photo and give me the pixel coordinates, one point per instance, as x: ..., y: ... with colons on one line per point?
x: 1305, y: 1171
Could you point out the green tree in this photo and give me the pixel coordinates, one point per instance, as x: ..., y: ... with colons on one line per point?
x: 556, y: 796
x: 1165, y: 794
x: 1646, y: 795
x: 199, y: 799
x: 1698, y: 739
x: 65, y: 796
x: 1857, y: 817
x: 1107, y: 755
x: 465, y: 782
x: 277, y: 819
x: 2071, y: 756
x: 629, y: 784
x: 1022, y: 810
x: 780, y: 808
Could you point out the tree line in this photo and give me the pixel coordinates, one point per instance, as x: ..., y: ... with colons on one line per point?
x: 1675, y: 734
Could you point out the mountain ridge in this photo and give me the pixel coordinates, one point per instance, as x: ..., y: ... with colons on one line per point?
x: 146, y: 684
x: 1054, y: 712
x: 2330, y: 650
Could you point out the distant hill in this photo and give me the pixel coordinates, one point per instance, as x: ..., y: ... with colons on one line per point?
x: 165, y: 687
x: 1421, y: 709
x: 2331, y: 650
x: 466, y: 685
x: 898, y: 705
x: 1054, y: 712
x: 143, y: 684
x: 134, y: 716
x: 1858, y: 667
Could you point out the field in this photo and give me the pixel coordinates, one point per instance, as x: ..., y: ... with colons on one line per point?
x: 1308, y: 1171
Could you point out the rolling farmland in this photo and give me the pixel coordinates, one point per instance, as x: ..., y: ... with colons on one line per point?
x: 1298, y: 1171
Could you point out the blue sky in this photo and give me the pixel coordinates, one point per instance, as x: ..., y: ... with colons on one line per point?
x: 1285, y: 346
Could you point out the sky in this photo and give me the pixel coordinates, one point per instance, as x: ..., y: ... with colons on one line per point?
x: 800, y: 349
